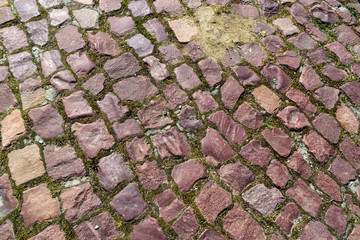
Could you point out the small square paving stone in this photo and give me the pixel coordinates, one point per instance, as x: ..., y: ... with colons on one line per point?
x: 211, y: 71
x: 26, y: 9
x: 187, y: 173
x: 241, y: 225
x: 51, y: 232
x: 141, y: 45
x: 341, y: 52
x: 39, y: 32
x: 6, y: 230
x: 85, y: 2
x: 170, y: 206
x: 38, y: 205
x: 148, y: 229
x: 95, y: 84
x: 278, y: 140
x: 318, y: 146
x: 63, y: 80
x: 205, y: 101
x: 76, y: 106
x: 188, y: 119
x: 171, y: 54
x: 355, y: 234
x: 21, y: 65
x: 345, y: 35
x: 78, y: 201
x: 139, y: 8
x: 150, y: 176
x: 246, y: 76
x: 12, y: 128
x: 286, y: 219
x: 263, y: 199
x: 13, y: 38
x: 109, y: 5
x: 69, y: 39
x: 309, y: 78
x: 245, y: 11
x: 194, y: 50
x: 8, y: 201
x: 343, y: 171
x: 352, y: 90
x: 50, y: 62
x: 316, y: 33
x: 121, y: 26
x: 277, y: 78
x: 62, y: 162
x: 253, y: 53
x: 231, y: 58
x: 122, y: 66
x: 112, y: 170
x: 157, y: 69
x: 129, y: 203
x: 32, y: 93
x: 186, y: 225
x: 49, y: 3
x: 171, y: 143
x: 103, y: 44
x: 302, y: 100
x: 186, y: 77
x: 212, y: 200
x: 25, y: 164
x: 4, y: 73
x: 104, y: 225
x: 215, y: 147
x: 87, y: 18
x: 237, y: 176
x: 335, y: 74
x: 328, y: 127
x: 273, y: 43
x: 323, y: 13
x: 292, y: 118
x: 290, y: 59
x: 138, y: 149
x: 135, y: 89
x: 351, y: 152
x: 299, y: 13
x: 80, y: 63
x: 307, y: 198
x: 329, y: 186
x: 248, y: 116
x: 256, y: 154
x: 231, y: 90
x: 59, y: 16
x: 127, y: 129
x: 183, y: 29
x: 208, y: 234
x: 286, y: 26
x: 155, y: 28
x: 269, y: 8
x: 303, y: 42
x: 327, y: 95
x: 278, y: 173
x: 93, y: 137
x: 172, y: 7
x: 266, y: 99
x: 112, y: 107
x: 336, y: 218
x: 6, y: 15
x: 316, y: 230
x: 47, y: 121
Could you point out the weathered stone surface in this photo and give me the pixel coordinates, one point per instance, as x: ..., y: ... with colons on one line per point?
x: 307, y: 198
x: 309, y: 78
x: 6, y: 230
x: 299, y: 13
x: 355, y: 234
x: 273, y: 43
x: 263, y: 199
x: 231, y: 58
x: 25, y: 164
x: 157, y: 69
x: 175, y: 95
x: 246, y: 76
x: 39, y: 32
x: 8, y: 201
x: 329, y: 186
x: 135, y: 89
x: 214, y: 145
x: 256, y: 154
x: 38, y: 205
x: 208, y: 235
x: 112, y: 170
x: 103, y: 44
x: 292, y: 118
x: 352, y: 90
x: 92, y: 137
x: 59, y: 16
x: 95, y: 84
x: 87, y: 18
x: 51, y: 232
x: 50, y: 62
x: 139, y: 8
x: 316, y: 230
x: 341, y: 52
x: 171, y: 54
x: 129, y: 203
x: 6, y: 15
x: 277, y: 78
x: 112, y: 107
x: 327, y: 95
x: 76, y: 106
x: 80, y: 63
x: 324, y: 14
x: 248, y: 116
x: 266, y: 98
x: 343, y: 171
x: 78, y: 201
x: 62, y: 163
x: 138, y: 149
x: 187, y: 173
x: 12, y: 128
x: 150, y: 176
x: 148, y: 229
x: 155, y: 115
x: 345, y: 35
x: 278, y: 140
x: 109, y: 5
x: 26, y: 9
x: 122, y: 66
x: 289, y: 58
x: 288, y: 215
x: 286, y: 26
x: 171, y: 143
x: 104, y: 226
x: 263, y: 28
x: 233, y: 131
x: 194, y: 50
x: 302, y: 100
x: 121, y: 26
x: 183, y: 29
x: 85, y: 2
x: 231, y: 90
x: 186, y: 225
x: 211, y: 71
x: 49, y: 3
x: 126, y: 129
x: 204, y: 101
x: 141, y: 45
x: 241, y: 225
x: 47, y: 121
x: 13, y: 38
x: 335, y: 74
x: 4, y: 73
x: 186, y: 77
x: 169, y: 205
x: 278, y: 173
x: 32, y: 93
x: 328, y: 127
x: 303, y: 42
x: 69, y: 39
x: 188, y: 120
x: 246, y: 11
x: 21, y: 65
x: 299, y: 165
x: 237, y: 176
x: 318, y: 56
x: 172, y: 7
x: 253, y: 53
x: 269, y: 8
x: 318, y: 146
x: 351, y: 152
x: 336, y: 218
x: 316, y: 33
x: 155, y: 28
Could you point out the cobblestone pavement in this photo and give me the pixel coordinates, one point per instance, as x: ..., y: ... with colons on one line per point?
x: 169, y: 119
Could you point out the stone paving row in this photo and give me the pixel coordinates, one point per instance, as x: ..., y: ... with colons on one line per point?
x: 170, y: 119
